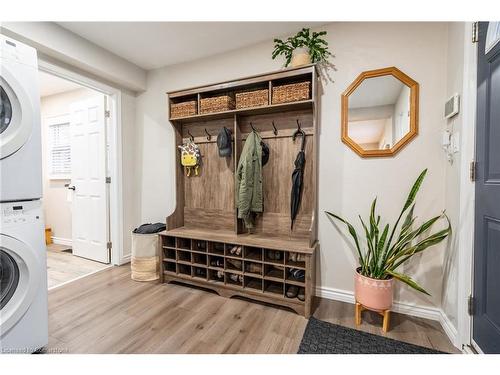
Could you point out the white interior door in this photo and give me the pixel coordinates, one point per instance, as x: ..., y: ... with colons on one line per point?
x: 88, y: 180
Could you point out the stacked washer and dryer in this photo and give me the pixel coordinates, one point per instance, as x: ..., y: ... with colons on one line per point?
x: 23, y: 269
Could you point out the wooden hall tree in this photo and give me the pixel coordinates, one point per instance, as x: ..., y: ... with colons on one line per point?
x: 204, y: 230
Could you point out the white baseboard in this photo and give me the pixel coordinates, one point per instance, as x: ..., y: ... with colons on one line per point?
x: 450, y: 330
x: 62, y: 241
x: 426, y: 312
x: 124, y: 260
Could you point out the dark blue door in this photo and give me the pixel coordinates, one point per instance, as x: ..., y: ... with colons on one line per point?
x: 486, y: 319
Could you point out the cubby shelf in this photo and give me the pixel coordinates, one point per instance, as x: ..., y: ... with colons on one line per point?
x: 272, y: 283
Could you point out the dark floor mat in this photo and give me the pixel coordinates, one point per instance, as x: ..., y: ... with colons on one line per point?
x: 327, y: 338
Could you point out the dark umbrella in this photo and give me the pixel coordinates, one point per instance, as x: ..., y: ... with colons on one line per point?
x: 297, y: 176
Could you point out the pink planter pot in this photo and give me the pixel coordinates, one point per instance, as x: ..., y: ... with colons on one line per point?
x: 373, y: 293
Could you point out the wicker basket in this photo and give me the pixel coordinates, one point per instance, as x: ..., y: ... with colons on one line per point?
x: 216, y: 104
x: 183, y: 109
x: 291, y: 92
x: 256, y: 98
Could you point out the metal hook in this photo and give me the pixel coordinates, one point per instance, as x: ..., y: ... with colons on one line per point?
x: 190, y: 136
x: 209, y: 137
x: 275, y: 131
x: 255, y: 130
x: 299, y: 131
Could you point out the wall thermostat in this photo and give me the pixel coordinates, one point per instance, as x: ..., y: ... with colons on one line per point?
x: 452, y: 106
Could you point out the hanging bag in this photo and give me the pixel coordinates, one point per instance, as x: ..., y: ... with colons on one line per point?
x: 190, y: 157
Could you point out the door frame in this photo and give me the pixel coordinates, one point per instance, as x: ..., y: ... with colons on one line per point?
x: 467, y: 190
x: 115, y: 215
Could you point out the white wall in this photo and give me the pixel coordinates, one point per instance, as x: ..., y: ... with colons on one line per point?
x: 55, y: 41
x: 347, y: 183
x: 454, y: 84
x: 57, y: 209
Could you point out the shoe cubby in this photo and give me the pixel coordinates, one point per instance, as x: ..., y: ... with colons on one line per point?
x: 200, y: 272
x: 234, y: 264
x: 217, y: 276
x: 254, y: 253
x: 199, y: 259
x: 184, y: 243
x: 296, y: 260
x: 199, y: 245
x: 295, y: 275
x: 234, y: 250
x: 274, y: 256
x: 215, y: 261
x: 234, y: 279
x: 183, y: 256
x: 265, y: 274
x: 274, y: 272
x: 216, y: 248
x: 253, y: 268
x: 273, y: 287
x: 168, y: 241
x: 184, y: 269
x: 253, y: 283
x: 169, y: 253
x: 169, y: 266
x: 297, y: 289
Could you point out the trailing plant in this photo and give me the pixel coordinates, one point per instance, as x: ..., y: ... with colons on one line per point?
x: 318, y: 47
x: 386, y: 249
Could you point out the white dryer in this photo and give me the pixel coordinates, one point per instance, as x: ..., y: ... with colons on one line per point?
x: 20, y: 140
x: 23, y: 278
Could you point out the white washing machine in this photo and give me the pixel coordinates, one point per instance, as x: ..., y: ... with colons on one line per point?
x: 20, y: 140
x: 23, y: 278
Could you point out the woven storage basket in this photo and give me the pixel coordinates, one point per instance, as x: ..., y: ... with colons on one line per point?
x: 216, y: 104
x: 183, y: 109
x: 256, y: 98
x: 291, y: 92
x: 145, y: 260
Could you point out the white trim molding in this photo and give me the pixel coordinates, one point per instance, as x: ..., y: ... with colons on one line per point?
x: 426, y: 312
x: 62, y: 241
x: 115, y: 144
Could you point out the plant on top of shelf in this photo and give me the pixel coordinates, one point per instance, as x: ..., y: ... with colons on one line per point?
x: 302, y: 48
x: 386, y: 250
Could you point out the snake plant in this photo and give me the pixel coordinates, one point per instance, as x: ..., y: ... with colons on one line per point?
x: 387, y: 248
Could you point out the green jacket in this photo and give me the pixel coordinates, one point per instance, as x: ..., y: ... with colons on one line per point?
x: 249, y: 180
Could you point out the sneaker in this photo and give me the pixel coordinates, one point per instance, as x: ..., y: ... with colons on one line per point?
x: 220, y: 274
x: 297, y: 274
x: 217, y: 263
x: 302, y: 294
x: 292, y: 291
x: 236, y: 278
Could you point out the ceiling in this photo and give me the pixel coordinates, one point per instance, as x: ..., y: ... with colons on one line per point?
x: 151, y: 45
x: 378, y: 91
x: 51, y: 85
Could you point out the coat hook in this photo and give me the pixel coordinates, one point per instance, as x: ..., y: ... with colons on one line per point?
x: 298, y: 125
x: 255, y: 130
x: 209, y: 137
x: 190, y: 136
x: 275, y: 131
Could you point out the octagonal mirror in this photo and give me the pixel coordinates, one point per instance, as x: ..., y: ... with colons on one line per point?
x: 380, y: 112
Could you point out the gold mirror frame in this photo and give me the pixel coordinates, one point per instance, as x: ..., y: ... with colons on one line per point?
x: 414, y: 88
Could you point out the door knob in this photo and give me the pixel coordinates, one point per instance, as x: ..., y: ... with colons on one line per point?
x: 72, y: 188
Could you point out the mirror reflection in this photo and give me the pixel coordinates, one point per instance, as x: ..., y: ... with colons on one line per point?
x: 379, y: 113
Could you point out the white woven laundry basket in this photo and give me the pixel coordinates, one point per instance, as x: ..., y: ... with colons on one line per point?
x: 145, y: 262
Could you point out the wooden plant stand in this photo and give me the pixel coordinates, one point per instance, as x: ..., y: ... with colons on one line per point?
x: 386, y: 314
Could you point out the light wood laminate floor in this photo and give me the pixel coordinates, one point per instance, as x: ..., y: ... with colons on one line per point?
x: 109, y: 313
x: 63, y: 266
